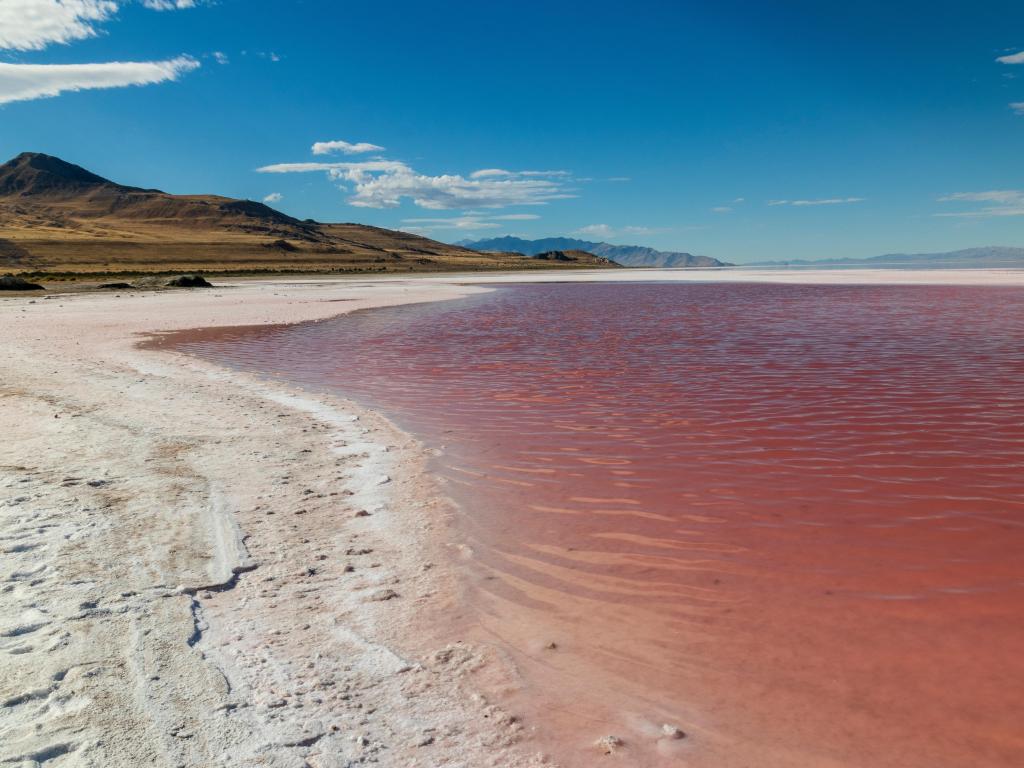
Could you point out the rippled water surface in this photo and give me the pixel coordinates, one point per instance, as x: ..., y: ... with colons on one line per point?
x: 788, y: 519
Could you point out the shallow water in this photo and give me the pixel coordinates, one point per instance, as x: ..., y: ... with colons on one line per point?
x: 788, y: 519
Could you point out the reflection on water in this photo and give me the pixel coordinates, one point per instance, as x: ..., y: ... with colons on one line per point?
x: 788, y: 519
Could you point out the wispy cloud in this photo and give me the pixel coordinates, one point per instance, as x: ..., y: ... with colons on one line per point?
x: 31, y: 25
x: 468, y: 222
x: 221, y: 57
x: 825, y: 201
x: 21, y: 82
x: 608, y: 232
x: 344, y: 147
x: 728, y: 208
x: 997, y: 203
x: 273, y: 197
x: 1013, y: 58
x: 501, y: 173
x: 1018, y: 107
x: 169, y: 5
x: 385, y: 183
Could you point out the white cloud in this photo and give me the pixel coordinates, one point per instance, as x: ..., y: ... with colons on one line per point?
x: 384, y: 183
x: 1015, y: 58
x: 329, y: 147
x: 273, y: 197
x: 1000, y: 202
x: 221, y: 57
x: 826, y: 201
x: 20, y: 82
x: 31, y: 25
x: 619, y: 178
x: 1018, y: 107
x: 722, y: 209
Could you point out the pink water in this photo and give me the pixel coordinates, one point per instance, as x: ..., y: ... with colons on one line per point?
x: 787, y: 519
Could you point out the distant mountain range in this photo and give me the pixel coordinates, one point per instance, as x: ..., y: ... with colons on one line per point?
x: 989, y: 256
x: 626, y: 255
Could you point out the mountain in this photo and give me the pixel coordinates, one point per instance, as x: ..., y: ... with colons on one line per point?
x: 626, y: 255
x: 989, y: 256
x: 56, y: 217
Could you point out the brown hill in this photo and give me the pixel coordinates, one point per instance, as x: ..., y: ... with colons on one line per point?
x: 56, y: 217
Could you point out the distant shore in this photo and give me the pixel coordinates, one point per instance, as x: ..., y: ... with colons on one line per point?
x: 201, y: 568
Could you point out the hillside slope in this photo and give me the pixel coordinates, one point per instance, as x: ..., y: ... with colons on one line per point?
x: 58, y: 217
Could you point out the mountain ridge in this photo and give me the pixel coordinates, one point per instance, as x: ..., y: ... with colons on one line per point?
x: 625, y: 255
x: 983, y: 256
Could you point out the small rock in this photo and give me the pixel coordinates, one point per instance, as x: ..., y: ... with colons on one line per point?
x: 361, y: 513
x: 384, y: 594
x: 609, y: 744
x: 673, y: 731
x: 189, y: 281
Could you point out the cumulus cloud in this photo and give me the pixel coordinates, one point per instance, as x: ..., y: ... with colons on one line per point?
x: 344, y: 147
x: 273, y: 197
x: 221, y: 57
x: 997, y: 203
x: 384, y: 184
x: 20, y: 82
x: 826, y: 201
x: 1013, y: 58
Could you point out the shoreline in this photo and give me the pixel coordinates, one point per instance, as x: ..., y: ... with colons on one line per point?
x: 175, y: 581
x: 197, y: 584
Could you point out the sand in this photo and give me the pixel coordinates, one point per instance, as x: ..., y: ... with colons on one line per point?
x: 200, y: 568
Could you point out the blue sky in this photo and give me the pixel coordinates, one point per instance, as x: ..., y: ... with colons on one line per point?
x: 739, y: 130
